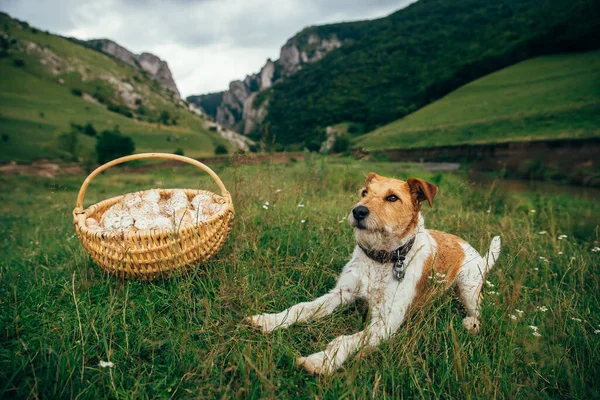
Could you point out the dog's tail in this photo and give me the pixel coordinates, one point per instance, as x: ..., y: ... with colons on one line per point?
x: 493, y: 253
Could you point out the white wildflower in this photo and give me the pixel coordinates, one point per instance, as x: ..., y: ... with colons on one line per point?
x: 543, y: 232
x: 536, y: 269
x: 266, y: 207
x: 440, y: 275
x: 533, y: 328
x: 532, y: 211
x: 513, y: 317
x: 542, y: 308
x: 597, y: 331
x: 106, y: 364
x: 302, y: 221
x: 595, y: 249
x: 278, y: 191
x: 490, y: 284
x: 520, y: 312
x: 489, y: 210
x: 300, y: 205
x: 560, y: 253
x: 266, y: 203
x: 576, y: 319
x: 561, y: 237
x: 493, y: 292
x: 536, y: 334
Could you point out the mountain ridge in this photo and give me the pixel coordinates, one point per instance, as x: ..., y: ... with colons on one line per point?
x: 389, y: 67
x: 157, y: 68
x: 237, y: 108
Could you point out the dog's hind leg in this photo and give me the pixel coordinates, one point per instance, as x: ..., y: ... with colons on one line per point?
x: 344, y: 292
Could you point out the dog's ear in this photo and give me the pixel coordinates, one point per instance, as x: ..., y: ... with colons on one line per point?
x: 370, y: 177
x: 421, y: 190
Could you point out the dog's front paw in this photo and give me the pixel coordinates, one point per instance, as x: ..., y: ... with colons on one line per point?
x: 265, y: 322
x: 317, y: 363
x: 472, y: 324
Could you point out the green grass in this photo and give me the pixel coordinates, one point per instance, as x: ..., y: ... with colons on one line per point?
x: 60, y: 316
x: 544, y: 98
x: 35, y: 108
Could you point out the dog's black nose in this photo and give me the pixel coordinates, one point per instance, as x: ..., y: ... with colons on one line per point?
x: 360, y: 213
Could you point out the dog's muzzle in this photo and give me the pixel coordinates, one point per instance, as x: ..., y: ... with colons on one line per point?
x: 360, y: 213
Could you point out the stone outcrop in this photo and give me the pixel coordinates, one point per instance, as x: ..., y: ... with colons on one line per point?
x: 238, y: 109
x: 332, y: 134
x: 156, y: 68
x: 239, y: 141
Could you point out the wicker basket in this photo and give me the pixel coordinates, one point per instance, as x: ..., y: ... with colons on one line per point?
x: 148, y: 254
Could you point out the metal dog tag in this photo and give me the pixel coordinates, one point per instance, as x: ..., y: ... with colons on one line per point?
x: 399, y: 269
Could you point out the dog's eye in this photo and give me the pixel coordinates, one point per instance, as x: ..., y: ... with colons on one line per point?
x: 364, y: 193
x: 392, y: 198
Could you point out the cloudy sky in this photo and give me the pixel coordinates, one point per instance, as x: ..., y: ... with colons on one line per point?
x: 207, y: 43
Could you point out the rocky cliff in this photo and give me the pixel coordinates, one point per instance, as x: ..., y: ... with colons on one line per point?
x: 156, y: 68
x: 243, y: 107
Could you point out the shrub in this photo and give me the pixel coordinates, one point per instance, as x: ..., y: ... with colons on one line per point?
x: 221, y: 149
x: 138, y: 102
x: 5, y: 137
x: 120, y: 109
x: 100, y: 97
x: 19, y: 63
x: 42, y: 115
x: 142, y: 110
x: 179, y: 151
x: 341, y: 144
x: 312, y: 145
x: 112, y: 144
x: 76, y: 92
x: 353, y: 128
x: 164, y: 117
x: 89, y: 129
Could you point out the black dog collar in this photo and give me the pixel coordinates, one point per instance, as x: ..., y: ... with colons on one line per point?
x: 397, y: 257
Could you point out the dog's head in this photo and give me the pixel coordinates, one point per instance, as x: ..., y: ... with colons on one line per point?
x: 389, y: 208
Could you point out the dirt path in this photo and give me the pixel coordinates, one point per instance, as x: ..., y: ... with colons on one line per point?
x: 53, y: 168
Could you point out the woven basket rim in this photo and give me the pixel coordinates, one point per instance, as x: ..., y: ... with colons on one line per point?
x: 80, y: 222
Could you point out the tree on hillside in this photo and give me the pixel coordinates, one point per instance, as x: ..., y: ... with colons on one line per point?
x: 164, y: 117
x: 221, y: 149
x: 112, y: 144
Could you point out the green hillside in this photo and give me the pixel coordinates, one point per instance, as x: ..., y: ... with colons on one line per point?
x: 393, y: 66
x: 544, y: 98
x: 48, y: 83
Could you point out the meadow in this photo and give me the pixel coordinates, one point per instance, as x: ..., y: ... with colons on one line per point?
x: 60, y: 317
x: 550, y: 97
x: 35, y: 111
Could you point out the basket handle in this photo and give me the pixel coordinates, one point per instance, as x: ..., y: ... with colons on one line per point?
x: 167, y: 156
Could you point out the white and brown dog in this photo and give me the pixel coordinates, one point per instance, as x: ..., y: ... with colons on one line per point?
x: 390, y: 267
